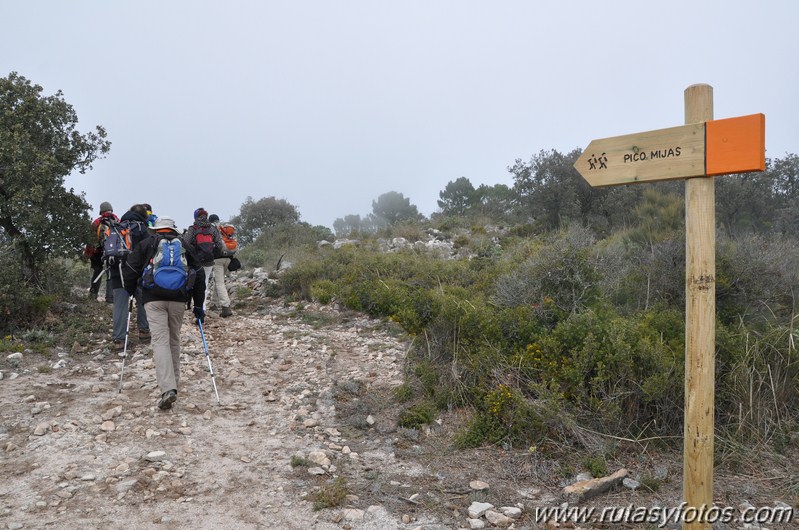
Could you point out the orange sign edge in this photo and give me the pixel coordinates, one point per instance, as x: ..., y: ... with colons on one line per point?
x: 735, y: 145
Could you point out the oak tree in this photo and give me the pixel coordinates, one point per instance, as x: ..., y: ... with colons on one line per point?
x: 39, y: 146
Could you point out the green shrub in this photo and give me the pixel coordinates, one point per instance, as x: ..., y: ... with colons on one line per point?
x: 23, y: 305
x: 331, y: 494
x: 411, y: 231
x: 596, y: 465
x: 564, y: 270
x: 324, y: 291
x: 651, y: 483
x: 10, y: 344
x: 404, y: 392
x: 755, y: 278
x: 523, y: 230
x: 505, y: 418
x: 417, y: 415
x: 298, y: 461
x: 243, y: 291
x: 617, y: 367
x: 40, y: 340
x: 477, y: 432
x: 297, y: 280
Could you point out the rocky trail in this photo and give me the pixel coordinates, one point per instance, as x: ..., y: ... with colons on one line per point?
x: 79, y: 454
x: 305, y: 436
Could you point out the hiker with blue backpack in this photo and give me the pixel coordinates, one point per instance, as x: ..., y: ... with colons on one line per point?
x: 120, y: 239
x: 171, y: 277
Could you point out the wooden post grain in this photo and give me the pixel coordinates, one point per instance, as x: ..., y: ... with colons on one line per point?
x: 700, y: 325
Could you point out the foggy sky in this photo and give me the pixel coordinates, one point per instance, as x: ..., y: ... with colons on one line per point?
x: 330, y: 104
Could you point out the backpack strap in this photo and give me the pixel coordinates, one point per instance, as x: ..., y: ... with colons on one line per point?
x: 154, y: 250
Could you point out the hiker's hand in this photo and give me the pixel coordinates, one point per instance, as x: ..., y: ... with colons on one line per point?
x: 199, y: 314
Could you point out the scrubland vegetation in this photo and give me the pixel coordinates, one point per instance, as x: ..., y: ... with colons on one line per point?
x: 555, y: 326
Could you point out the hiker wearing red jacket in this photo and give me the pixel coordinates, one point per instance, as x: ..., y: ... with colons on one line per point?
x: 94, y: 252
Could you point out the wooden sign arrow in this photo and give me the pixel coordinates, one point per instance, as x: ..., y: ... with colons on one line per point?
x: 715, y: 147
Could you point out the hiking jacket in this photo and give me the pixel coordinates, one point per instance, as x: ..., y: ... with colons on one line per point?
x: 143, y: 235
x: 220, y: 249
x: 140, y: 258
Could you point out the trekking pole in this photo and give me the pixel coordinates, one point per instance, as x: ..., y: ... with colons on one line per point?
x: 99, y: 275
x: 125, y: 349
x: 207, y: 356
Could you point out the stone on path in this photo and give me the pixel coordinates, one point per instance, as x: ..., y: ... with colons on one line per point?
x: 498, y: 519
x: 155, y: 456
x: 586, y: 489
x: 41, y: 429
x: 478, y: 485
x: 477, y: 509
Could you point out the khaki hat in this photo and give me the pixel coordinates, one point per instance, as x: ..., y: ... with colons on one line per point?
x: 166, y: 223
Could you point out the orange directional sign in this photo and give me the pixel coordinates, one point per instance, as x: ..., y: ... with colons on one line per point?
x: 734, y: 145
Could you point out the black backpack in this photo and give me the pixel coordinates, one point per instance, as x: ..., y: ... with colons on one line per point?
x: 204, y: 243
x: 119, y: 238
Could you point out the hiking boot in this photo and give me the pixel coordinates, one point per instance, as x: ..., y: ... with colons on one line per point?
x: 213, y: 307
x: 119, y: 346
x: 167, y: 398
x: 144, y: 335
x: 226, y: 312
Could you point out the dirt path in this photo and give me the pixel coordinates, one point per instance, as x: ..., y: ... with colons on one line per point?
x: 78, y: 454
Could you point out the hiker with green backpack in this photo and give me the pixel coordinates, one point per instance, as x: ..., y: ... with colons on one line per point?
x: 171, y: 278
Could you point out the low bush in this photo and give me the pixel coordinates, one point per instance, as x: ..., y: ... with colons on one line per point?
x: 22, y: 305
x: 417, y: 415
x: 331, y: 494
x: 503, y: 417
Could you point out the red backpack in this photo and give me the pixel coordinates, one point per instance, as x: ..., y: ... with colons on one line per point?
x: 204, y: 243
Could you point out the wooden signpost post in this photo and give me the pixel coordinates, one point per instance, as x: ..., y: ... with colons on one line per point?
x: 696, y: 151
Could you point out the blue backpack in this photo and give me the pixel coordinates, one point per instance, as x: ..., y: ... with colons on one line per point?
x: 168, y: 271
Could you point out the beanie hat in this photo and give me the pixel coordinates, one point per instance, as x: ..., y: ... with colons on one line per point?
x: 200, y: 212
x: 213, y: 218
x: 165, y: 223
x: 105, y: 206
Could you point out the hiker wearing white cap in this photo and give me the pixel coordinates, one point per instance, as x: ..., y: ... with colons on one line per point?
x: 171, y: 277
